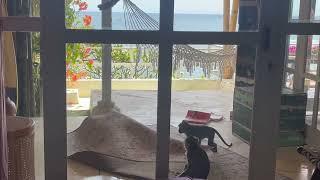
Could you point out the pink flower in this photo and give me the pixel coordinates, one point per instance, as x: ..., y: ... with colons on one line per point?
x: 292, y: 49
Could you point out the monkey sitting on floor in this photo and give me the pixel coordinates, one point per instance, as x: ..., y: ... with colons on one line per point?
x: 198, y: 162
x: 201, y: 132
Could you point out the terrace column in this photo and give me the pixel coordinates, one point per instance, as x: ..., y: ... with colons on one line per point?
x: 106, y: 55
x: 106, y: 103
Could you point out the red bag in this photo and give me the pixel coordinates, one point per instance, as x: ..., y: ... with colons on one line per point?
x: 198, y: 117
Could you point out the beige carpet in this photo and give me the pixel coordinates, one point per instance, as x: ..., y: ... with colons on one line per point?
x: 118, y: 144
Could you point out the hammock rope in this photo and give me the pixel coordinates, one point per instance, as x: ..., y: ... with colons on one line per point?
x: 183, y: 55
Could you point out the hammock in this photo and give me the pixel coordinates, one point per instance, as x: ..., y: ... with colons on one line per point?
x: 189, y: 57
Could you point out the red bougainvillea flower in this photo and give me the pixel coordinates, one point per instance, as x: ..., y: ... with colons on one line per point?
x: 91, y: 61
x: 83, y: 6
x: 74, y: 77
x: 87, y: 20
x: 87, y: 52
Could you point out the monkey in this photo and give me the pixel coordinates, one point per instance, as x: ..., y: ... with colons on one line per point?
x: 198, y: 165
x: 201, y: 132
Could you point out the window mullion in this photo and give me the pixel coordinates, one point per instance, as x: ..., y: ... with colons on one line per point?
x: 54, y: 88
x: 164, y: 88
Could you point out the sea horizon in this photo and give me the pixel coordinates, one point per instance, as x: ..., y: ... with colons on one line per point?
x: 182, y: 22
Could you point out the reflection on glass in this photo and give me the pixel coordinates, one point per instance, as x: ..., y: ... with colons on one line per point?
x: 304, y: 48
x: 318, y: 118
x: 289, y: 80
x: 310, y: 90
x: 307, y: 11
x: 317, y: 11
x: 28, y: 8
x: 313, y: 56
x: 295, y: 6
x: 24, y: 108
x: 292, y: 50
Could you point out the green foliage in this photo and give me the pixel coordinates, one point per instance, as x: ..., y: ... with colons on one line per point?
x: 84, y: 60
x: 35, y: 7
x: 120, y: 55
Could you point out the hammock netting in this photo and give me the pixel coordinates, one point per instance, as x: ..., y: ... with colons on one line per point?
x: 183, y: 55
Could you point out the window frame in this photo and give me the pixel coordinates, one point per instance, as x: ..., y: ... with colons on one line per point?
x: 270, y: 50
x: 307, y: 28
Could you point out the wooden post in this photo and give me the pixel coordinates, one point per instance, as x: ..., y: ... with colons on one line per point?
x: 226, y: 15
x: 234, y: 16
x: 227, y: 69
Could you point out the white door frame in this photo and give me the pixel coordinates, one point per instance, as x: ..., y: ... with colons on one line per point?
x: 271, y: 44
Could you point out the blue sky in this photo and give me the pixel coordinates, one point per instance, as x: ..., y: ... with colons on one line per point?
x: 186, y: 6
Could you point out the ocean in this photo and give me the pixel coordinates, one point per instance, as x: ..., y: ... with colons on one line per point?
x: 182, y: 22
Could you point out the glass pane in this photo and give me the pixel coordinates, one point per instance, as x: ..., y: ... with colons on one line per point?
x: 310, y: 90
x: 304, y: 49
x: 26, y: 8
x: 209, y: 15
x: 202, y: 88
x: 24, y: 105
x: 295, y: 6
x: 209, y: 102
x: 292, y: 130
x: 120, y: 133
x: 318, y: 119
x: 313, y: 55
x: 305, y: 11
x: 117, y: 15
x: 289, y: 80
x: 292, y: 50
x: 317, y: 11
x: 37, y: 112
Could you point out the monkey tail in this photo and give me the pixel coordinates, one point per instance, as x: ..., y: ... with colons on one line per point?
x: 229, y: 145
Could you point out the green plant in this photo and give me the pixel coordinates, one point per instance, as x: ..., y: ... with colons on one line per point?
x: 120, y: 55
x: 80, y: 58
